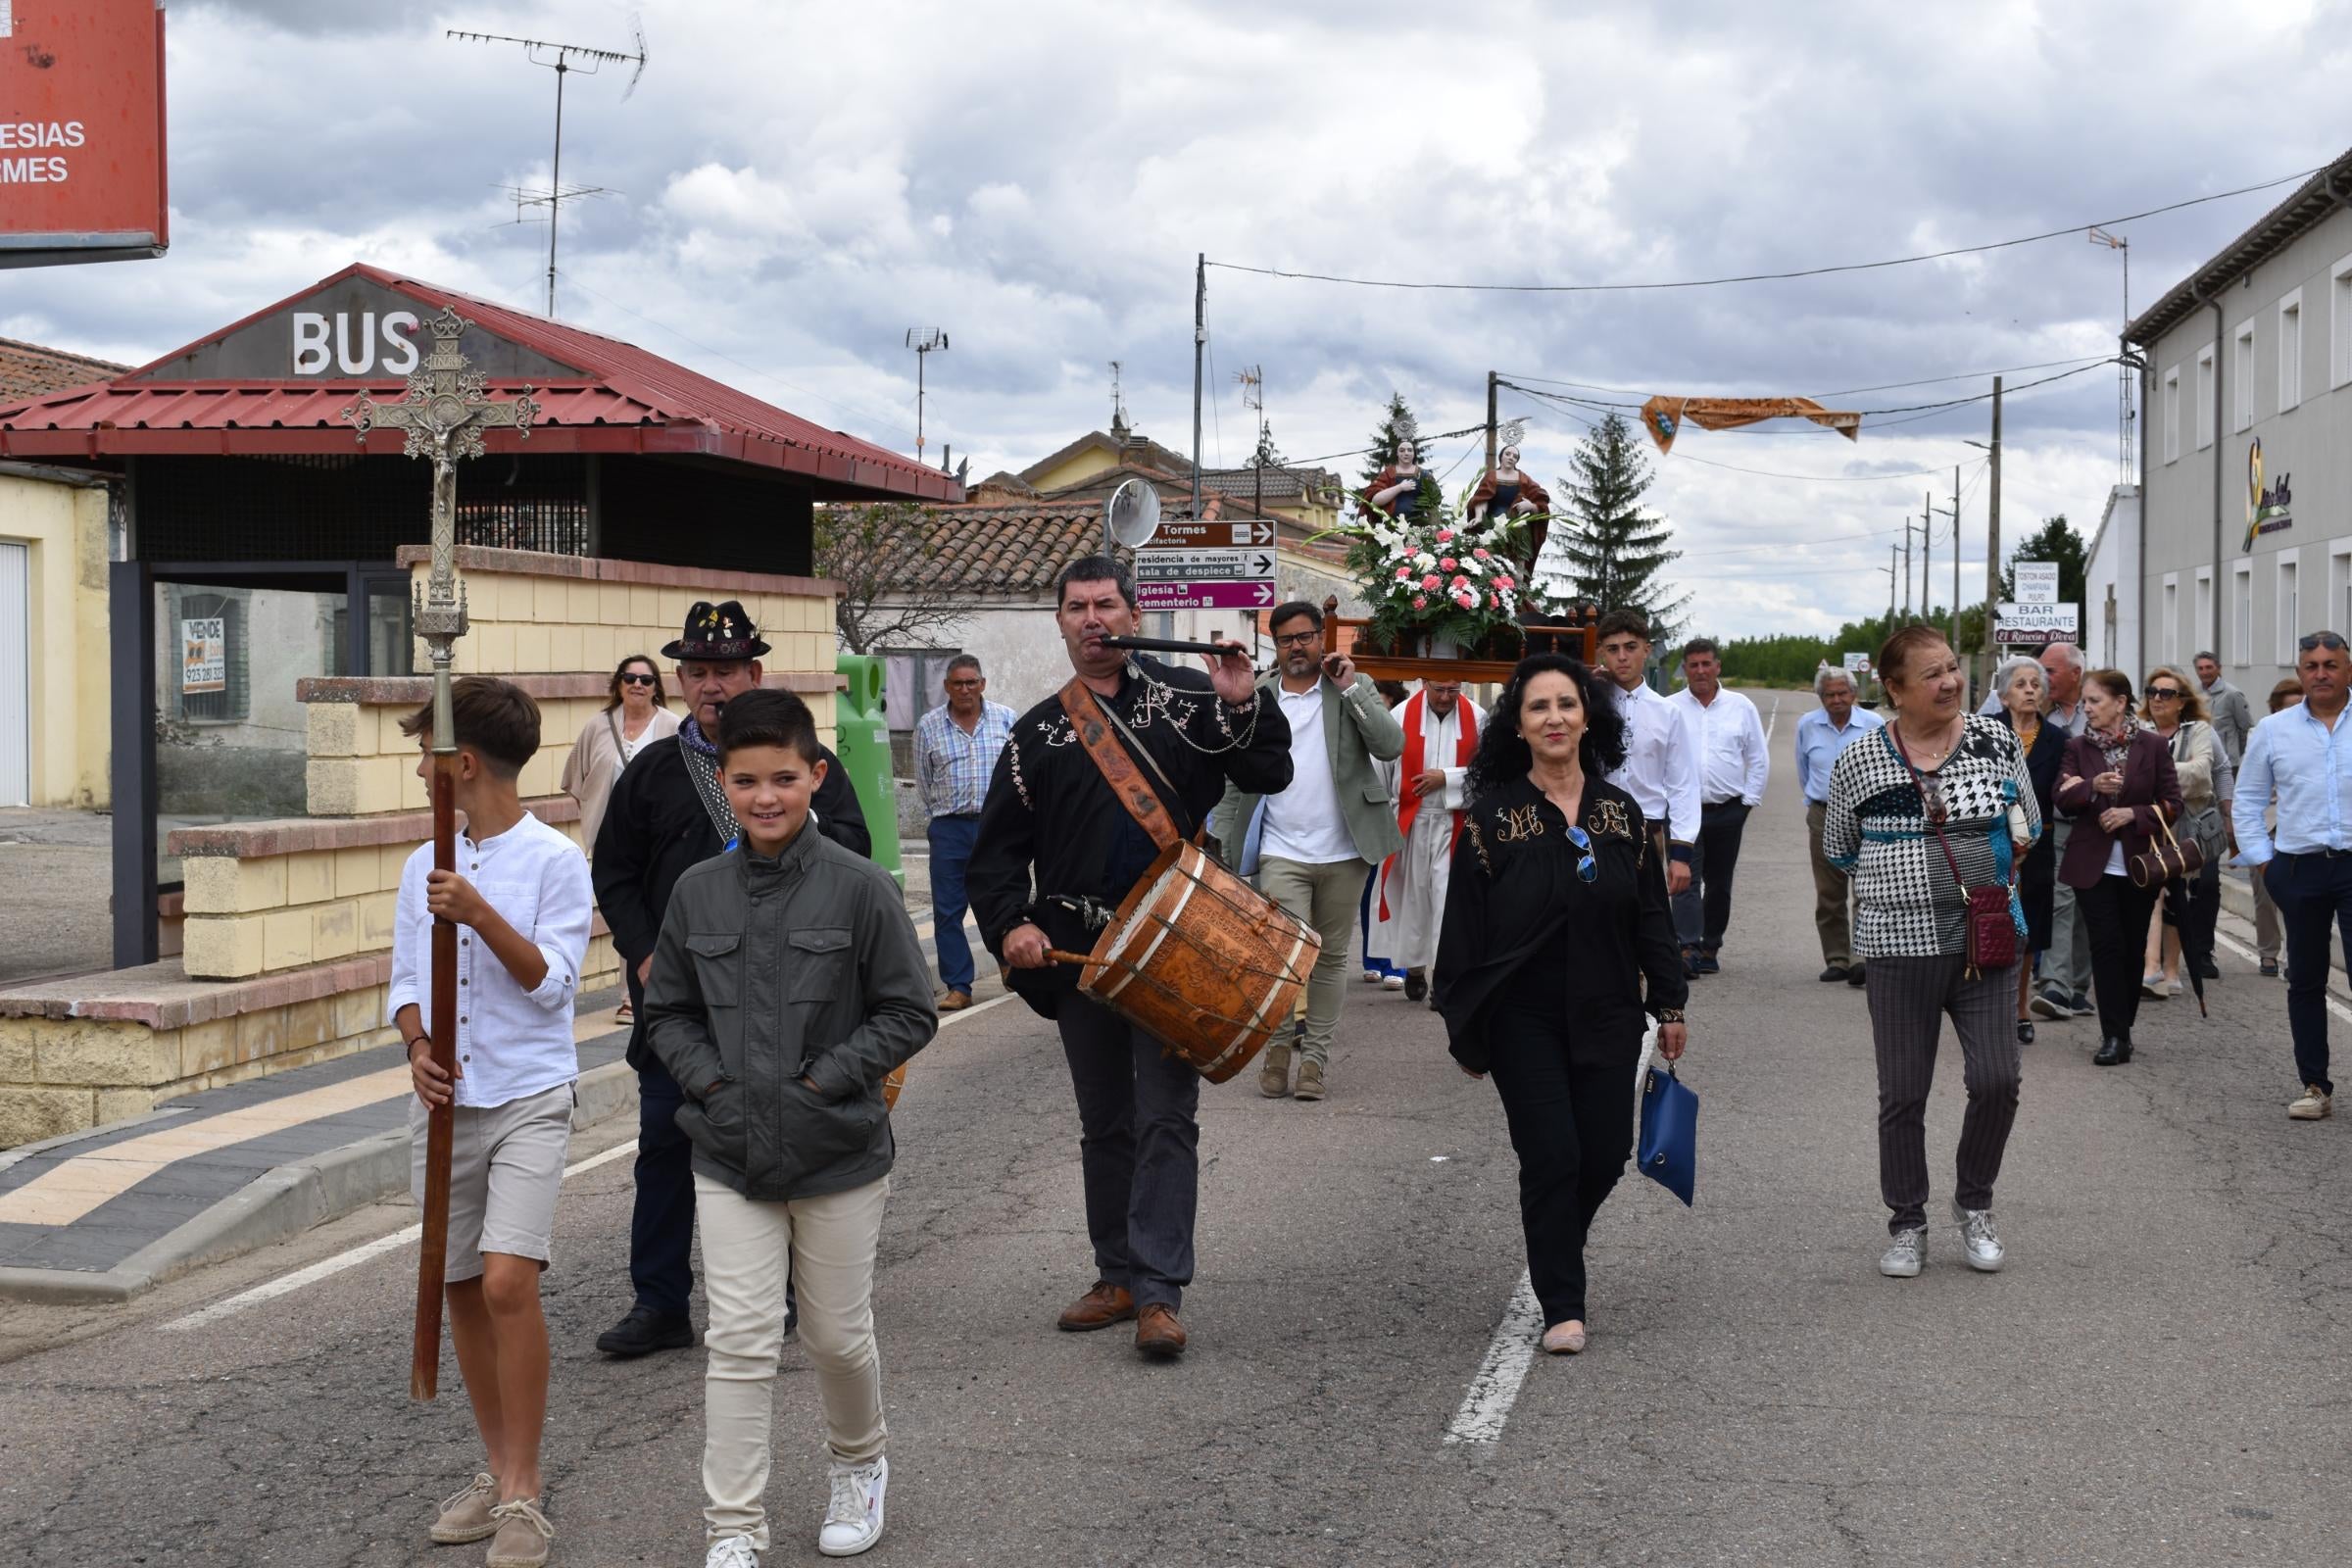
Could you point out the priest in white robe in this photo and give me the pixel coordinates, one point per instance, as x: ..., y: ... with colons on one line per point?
x: 1427, y: 782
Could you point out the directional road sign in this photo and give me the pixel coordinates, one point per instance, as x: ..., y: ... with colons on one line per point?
x: 1186, y: 534
x: 1258, y: 595
x: 1202, y: 565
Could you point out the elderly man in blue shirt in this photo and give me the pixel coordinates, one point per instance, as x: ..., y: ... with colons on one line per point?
x: 956, y: 748
x: 2302, y: 757
x: 1820, y: 736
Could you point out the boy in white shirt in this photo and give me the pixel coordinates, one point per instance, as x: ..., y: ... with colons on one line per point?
x: 520, y: 898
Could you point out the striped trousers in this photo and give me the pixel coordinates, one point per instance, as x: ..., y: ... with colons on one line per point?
x: 1909, y: 998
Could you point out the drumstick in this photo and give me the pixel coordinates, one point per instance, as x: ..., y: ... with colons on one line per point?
x: 1059, y: 957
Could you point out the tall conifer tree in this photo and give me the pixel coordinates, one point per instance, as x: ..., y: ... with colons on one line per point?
x: 1603, y: 540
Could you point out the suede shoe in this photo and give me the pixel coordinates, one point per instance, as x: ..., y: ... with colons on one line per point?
x: 1158, y: 1333
x: 644, y: 1331
x: 465, y: 1517
x: 523, y: 1533
x: 1274, y: 1072
x: 955, y: 1001
x: 2314, y: 1105
x: 1832, y: 974
x: 1708, y: 964
x: 1310, y: 1081
x: 1098, y: 1308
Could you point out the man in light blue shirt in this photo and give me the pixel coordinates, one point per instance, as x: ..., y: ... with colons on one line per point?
x: 1820, y: 737
x: 2302, y: 756
x: 956, y: 749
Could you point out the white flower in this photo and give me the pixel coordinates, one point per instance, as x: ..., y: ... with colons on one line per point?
x: 1426, y: 561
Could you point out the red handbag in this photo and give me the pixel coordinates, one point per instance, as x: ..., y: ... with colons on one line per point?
x: 1992, y: 931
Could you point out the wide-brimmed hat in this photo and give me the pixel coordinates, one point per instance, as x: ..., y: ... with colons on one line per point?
x: 717, y: 635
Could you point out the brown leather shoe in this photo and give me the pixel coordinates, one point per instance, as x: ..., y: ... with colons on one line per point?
x: 1274, y: 1072
x: 1158, y: 1333
x: 1098, y: 1308
x: 955, y: 1001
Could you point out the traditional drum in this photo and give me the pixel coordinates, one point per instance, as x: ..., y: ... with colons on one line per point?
x: 1198, y: 959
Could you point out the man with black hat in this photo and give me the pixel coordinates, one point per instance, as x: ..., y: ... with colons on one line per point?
x: 669, y: 812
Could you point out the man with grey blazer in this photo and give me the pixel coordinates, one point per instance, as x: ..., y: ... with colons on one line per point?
x: 1309, y: 846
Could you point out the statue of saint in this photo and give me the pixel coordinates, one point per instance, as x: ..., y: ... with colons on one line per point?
x: 1397, y: 489
x: 1506, y: 492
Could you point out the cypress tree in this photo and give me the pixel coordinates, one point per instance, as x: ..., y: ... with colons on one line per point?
x: 1601, y: 540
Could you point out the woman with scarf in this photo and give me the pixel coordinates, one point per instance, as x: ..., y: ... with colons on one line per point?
x: 2021, y: 687
x: 2174, y: 707
x: 1554, y: 861
x: 2117, y: 782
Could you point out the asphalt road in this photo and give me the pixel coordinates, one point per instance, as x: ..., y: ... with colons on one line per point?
x: 2158, y: 1376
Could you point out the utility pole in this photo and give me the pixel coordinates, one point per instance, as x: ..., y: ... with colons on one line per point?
x: 1992, y: 529
x: 1927, y: 555
x: 1889, y: 570
x: 1906, y: 566
x: 1200, y: 342
x: 1490, y: 380
x: 1955, y: 552
x: 922, y: 343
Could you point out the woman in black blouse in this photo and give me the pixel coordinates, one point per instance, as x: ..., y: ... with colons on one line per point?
x: 1555, y: 916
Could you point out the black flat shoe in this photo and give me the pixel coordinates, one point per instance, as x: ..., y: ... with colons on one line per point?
x: 645, y: 1331
x: 2113, y: 1052
x: 2024, y: 1032
x: 1832, y: 974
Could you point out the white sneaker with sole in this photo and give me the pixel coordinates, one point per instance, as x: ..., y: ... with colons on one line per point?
x: 2316, y: 1105
x: 732, y: 1551
x: 1978, y: 1239
x: 1904, y: 1255
x: 853, y: 1522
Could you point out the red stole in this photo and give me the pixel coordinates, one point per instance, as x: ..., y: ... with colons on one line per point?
x: 1408, y: 807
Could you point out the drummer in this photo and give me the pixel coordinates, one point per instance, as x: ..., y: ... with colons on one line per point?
x: 1048, y: 810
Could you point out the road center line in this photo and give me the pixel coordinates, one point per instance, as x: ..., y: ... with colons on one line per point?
x: 1495, y: 1389
x: 328, y: 1267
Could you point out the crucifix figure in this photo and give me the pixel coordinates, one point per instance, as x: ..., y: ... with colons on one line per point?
x: 443, y: 414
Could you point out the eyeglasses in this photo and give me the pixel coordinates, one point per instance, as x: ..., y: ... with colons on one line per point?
x: 2319, y: 639
x: 638, y: 680
x: 1295, y: 639
x: 2170, y: 693
x: 1586, y: 867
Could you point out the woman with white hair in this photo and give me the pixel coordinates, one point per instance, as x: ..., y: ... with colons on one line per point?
x: 2021, y: 687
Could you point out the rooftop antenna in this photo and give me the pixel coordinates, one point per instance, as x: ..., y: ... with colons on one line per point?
x: 922, y: 343
x: 2127, y: 366
x: 562, y: 58
x: 1118, y: 404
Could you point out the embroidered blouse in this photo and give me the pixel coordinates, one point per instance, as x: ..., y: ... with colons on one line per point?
x: 1876, y: 829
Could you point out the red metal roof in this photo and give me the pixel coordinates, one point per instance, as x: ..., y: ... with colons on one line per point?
x: 626, y: 401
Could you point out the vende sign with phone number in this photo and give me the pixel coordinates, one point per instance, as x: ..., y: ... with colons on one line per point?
x: 81, y: 131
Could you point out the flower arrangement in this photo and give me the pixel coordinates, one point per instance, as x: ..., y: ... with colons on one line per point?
x: 1435, y: 577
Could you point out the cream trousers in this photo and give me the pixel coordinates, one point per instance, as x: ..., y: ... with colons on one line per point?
x: 830, y: 1241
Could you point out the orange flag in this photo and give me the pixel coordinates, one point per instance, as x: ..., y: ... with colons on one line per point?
x: 1664, y: 416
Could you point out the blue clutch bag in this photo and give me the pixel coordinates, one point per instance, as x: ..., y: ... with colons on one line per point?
x: 1669, y: 1143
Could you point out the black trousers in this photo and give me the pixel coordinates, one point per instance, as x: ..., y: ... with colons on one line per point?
x: 1702, y: 913
x: 2314, y: 896
x: 1570, y: 1114
x: 2116, y: 916
x: 1139, y: 1150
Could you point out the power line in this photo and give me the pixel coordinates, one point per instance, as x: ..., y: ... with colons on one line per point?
x: 1884, y: 386
x: 1769, y: 277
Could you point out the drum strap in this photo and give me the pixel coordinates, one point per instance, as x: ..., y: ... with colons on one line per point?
x: 1093, y: 724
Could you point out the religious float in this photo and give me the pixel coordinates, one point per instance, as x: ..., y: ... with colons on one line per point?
x: 1453, y: 588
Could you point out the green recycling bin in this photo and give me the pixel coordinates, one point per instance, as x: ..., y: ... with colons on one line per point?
x: 862, y: 742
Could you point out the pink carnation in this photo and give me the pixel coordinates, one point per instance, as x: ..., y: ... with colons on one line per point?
x: 1446, y: 564
x: 1459, y: 581
x: 1495, y: 600
x: 1502, y: 581
x: 1466, y: 599
x: 1404, y: 575
x: 1420, y: 601
x: 1479, y: 553
x: 1444, y: 536
x: 1432, y: 582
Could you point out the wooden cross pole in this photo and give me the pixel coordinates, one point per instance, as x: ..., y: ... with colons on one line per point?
x: 443, y: 413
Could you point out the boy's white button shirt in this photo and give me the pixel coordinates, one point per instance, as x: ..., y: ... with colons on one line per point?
x: 512, y: 1042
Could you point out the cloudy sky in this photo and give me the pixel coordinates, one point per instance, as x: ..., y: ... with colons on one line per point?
x: 795, y: 185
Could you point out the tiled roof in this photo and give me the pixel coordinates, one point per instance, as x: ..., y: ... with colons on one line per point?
x: 1175, y: 490
x: 1000, y: 550
x: 1135, y: 449
x: 28, y: 370
x: 1280, y: 484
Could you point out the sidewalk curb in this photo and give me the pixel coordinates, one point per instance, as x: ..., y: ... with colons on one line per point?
x: 283, y: 1202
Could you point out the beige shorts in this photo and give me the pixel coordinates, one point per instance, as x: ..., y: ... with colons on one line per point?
x: 506, y: 1166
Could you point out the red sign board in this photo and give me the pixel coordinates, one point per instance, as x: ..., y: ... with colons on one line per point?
x: 81, y: 131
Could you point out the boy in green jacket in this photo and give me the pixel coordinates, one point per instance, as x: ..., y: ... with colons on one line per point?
x: 786, y: 985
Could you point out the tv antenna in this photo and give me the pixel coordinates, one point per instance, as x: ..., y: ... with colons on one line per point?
x: 1118, y: 404
x: 2126, y: 364
x: 922, y: 343
x: 562, y: 58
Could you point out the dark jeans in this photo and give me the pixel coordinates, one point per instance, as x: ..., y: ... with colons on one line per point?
x: 661, y: 1221
x: 2116, y: 915
x: 1139, y: 1150
x: 1363, y: 923
x: 952, y: 840
x: 2313, y: 894
x: 1702, y: 911
x: 1572, y: 1126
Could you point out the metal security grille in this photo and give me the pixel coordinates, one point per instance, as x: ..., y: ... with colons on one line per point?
x: 696, y: 514
x: 349, y: 508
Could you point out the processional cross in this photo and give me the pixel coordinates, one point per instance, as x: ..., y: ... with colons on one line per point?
x: 443, y: 413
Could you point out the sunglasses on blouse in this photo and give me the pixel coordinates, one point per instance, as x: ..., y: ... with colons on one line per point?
x: 1586, y: 868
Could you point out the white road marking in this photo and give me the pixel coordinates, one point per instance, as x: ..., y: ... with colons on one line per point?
x: 327, y: 1268
x: 1495, y: 1387
x: 1770, y: 720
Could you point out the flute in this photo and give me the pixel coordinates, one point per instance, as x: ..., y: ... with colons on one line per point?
x: 1168, y: 645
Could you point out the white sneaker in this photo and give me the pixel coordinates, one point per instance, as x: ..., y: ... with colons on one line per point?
x: 1371, y: 977
x: 853, y: 1522
x: 1978, y: 1239
x: 1391, y: 982
x: 2315, y: 1104
x: 1904, y: 1255
x: 732, y: 1551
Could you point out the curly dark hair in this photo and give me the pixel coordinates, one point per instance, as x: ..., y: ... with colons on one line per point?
x: 1502, y: 752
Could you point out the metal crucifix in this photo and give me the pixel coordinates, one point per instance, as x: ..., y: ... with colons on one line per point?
x: 443, y: 413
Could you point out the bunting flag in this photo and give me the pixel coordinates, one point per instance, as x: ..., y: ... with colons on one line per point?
x: 1664, y: 417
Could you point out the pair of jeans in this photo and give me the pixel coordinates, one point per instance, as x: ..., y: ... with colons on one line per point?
x: 2314, y: 895
x: 753, y: 1253
x: 952, y: 840
x: 1139, y: 1150
x: 1363, y: 924
x: 2116, y: 912
x: 1571, y: 1116
x: 1702, y: 911
x: 1318, y: 892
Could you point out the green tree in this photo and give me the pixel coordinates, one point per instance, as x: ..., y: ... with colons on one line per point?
x: 1267, y: 455
x: 2055, y: 541
x: 1605, y: 542
x: 1395, y: 422
x: 886, y: 557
